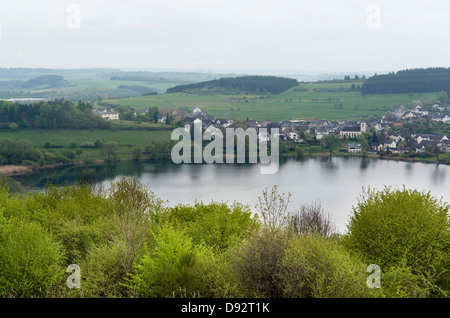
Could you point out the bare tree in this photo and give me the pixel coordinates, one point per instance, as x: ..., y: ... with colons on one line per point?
x: 311, y: 219
x: 273, y: 208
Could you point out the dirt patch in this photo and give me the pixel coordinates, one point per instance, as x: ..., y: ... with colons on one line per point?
x: 12, y: 170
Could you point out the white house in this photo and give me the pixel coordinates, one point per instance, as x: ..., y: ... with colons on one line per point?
x: 354, y: 147
x: 162, y: 119
x: 110, y: 115
x: 390, y: 144
x: 293, y: 135
x: 197, y: 110
x: 263, y: 137
x: 211, y: 130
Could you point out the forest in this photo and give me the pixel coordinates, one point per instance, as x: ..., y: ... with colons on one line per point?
x: 129, y: 243
x: 251, y: 84
x: 409, y: 81
x: 54, y: 114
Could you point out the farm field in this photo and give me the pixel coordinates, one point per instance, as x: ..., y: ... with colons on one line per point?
x: 315, y: 100
x: 126, y: 139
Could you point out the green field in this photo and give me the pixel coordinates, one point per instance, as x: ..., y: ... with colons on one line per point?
x: 126, y: 139
x: 308, y: 101
x: 84, y: 84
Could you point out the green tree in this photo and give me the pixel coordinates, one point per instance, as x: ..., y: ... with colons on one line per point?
x: 137, y: 152
x: 30, y: 261
x: 111, y: 149
x: 330, y: 142
x: 404, y: 228
x: 170, y: 268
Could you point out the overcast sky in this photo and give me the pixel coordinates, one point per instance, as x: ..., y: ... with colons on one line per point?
x: 288, y: 36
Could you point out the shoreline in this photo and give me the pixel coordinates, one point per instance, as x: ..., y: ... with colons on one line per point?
x: 16, y: 170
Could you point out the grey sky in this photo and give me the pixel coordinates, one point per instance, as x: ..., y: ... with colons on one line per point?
x: 289, y: 36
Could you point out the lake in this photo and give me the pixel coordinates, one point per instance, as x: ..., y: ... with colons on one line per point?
x: 336, y: 182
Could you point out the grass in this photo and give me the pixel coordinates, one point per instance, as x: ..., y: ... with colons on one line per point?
x: 126, y: 139
x: 84, y: 84
x: 303, y: 102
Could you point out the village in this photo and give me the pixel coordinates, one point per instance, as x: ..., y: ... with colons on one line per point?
x: 392, y: 133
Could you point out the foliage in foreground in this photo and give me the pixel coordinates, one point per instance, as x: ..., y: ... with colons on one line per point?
x: 129, y: 243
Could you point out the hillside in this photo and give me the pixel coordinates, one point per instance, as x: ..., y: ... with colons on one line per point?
x: 409, y: 81
x: 248, y: 84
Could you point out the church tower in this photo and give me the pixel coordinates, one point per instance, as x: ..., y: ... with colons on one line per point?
x: 363, y: 127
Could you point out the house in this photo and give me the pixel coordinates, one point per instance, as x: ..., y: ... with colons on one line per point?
x: 431, y: 137
x: 445, y: 146
x: 197, y: 110
x: 398, y: 150
x: 222, y: 122
x: 108, y: 114
x: 389, y: 144
x: 294, y: 136
x: 445, y: 119
x: 353, y: 131
x: 263, y: 137
x: 321, y: 132
x: 211, y: 130
x: 188, y: 123
x: 421, y: 146
x: 253, y: 123
x: 162, y: 119
x: 410, y: 115
x: 377, y: 146
x: 354, y: 147
x: 266, y: 122
x: 397, y: 138
x: 144, y: 111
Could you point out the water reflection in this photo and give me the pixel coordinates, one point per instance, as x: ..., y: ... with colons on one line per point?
x: 364, y: 163
x: 438, y: 175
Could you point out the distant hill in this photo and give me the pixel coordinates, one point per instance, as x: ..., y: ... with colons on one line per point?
x: 409, y: 81
x: 252, y: 84
x: 136, y: 88
x: 49, y: 81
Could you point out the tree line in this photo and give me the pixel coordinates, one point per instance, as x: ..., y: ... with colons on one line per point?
x: 54, y: 114
x: 254, y: 84
x: 409, y: 81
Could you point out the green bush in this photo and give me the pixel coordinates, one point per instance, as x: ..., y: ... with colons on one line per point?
x: 102, y: 273
x: 170, y: 268
x: 215, y: 224
x: 275, y: 264
x: 407, y: 227
x: 314, y: 267
x: 257, y: 263
x: 30, y: 261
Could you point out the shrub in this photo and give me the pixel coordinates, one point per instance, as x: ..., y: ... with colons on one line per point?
x: 30, y: 261
x: 216, y: 224
x: 170, y: 268
x: 98, y: 143
x: 278, y: 264
x: 257, y: 263
x: 311, y: 219
x: 408, y: 227
x: 314, y: 267
x: 87, y: 144
x: 102, y: 273
x: 133, y: 209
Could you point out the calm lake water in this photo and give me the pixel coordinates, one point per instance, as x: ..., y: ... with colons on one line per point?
x: 336, y: 182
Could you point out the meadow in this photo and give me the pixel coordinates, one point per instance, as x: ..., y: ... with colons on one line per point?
x: 314, y: 100
x: 126, y: 140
